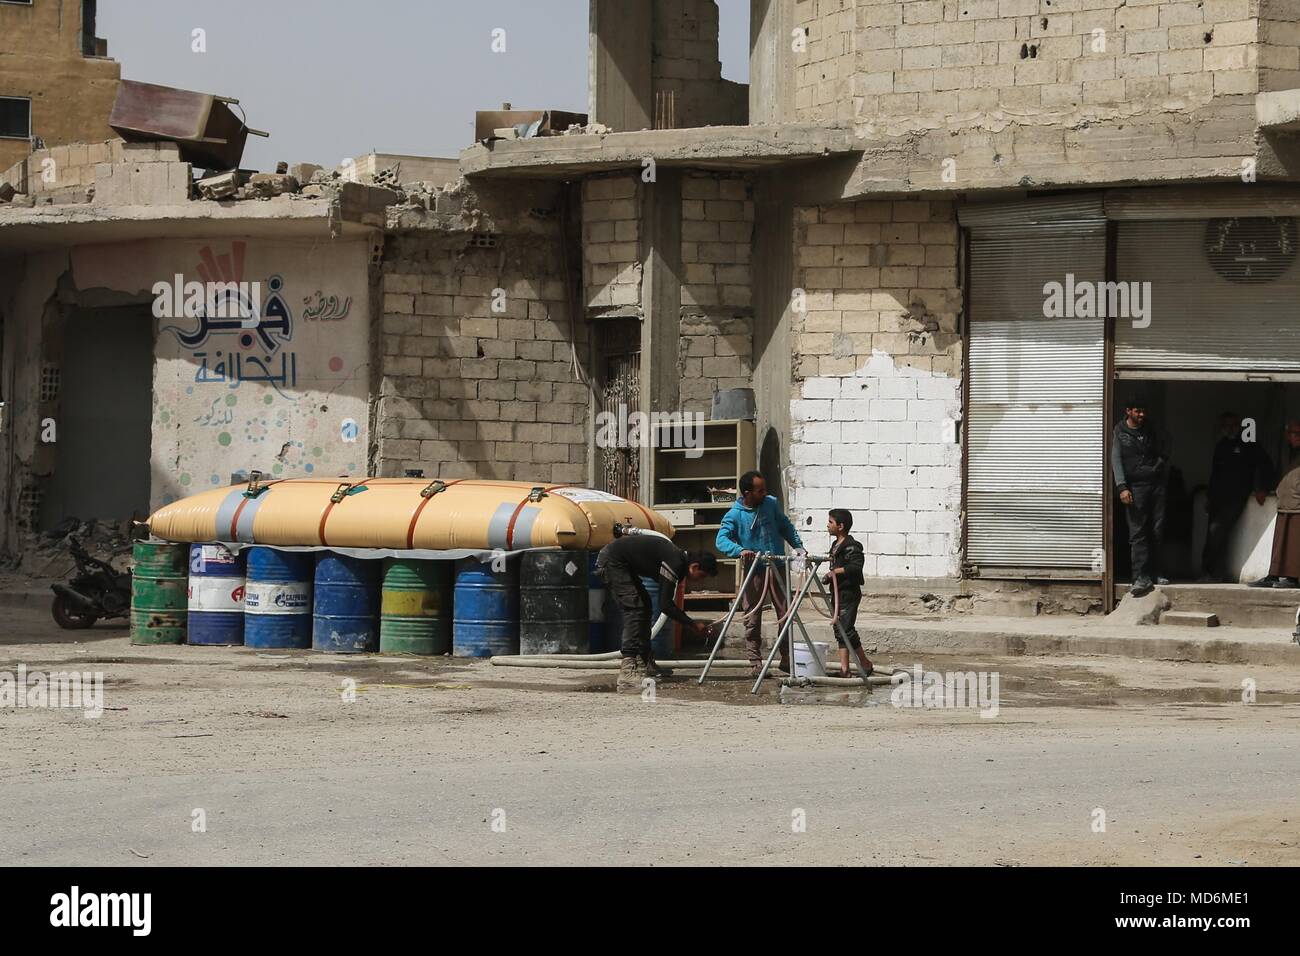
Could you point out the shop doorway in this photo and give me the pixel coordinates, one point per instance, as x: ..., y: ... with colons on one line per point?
x: 1190, y: 414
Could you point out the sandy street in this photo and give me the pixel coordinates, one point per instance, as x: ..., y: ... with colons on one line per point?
x: 444, y: 762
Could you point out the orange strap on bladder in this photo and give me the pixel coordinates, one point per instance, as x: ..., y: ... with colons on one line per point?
x: 234, y: 520
x: 335, y: 498
x: 537, y: 494
x: 424, y: 501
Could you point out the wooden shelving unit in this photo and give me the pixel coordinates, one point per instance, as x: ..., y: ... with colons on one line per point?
x: 683, y: 485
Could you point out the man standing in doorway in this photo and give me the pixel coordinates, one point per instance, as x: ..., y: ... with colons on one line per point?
x: 756, y: 524
x: 1240, y: 468
x: 1284, y: 572
x: 1139, y: 461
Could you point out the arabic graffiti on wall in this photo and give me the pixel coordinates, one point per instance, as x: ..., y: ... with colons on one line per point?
x: 325, y: 308
x: 269, y: 388
x: 256, y: 339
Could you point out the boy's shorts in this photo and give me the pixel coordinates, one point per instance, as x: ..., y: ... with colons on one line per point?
x: 849, y: 602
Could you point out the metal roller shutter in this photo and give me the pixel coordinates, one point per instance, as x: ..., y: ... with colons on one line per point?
x: 1035, y: 419
x: 1225, y: 297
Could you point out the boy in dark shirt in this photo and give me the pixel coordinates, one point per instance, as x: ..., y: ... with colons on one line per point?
x: 623, y: 563
x: 846, y: 570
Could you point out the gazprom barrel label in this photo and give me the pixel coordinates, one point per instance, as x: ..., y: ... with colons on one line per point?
x: 290, y: 598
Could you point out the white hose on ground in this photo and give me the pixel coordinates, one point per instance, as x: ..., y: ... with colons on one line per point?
x: 609, y: 664
x: 857, y: 669
x: 604, y: 656
x: 874, y: 680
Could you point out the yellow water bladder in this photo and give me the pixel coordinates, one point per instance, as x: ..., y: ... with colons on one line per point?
x: 404, y: 513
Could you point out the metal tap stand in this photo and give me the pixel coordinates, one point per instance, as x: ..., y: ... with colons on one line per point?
x: 792, y: 618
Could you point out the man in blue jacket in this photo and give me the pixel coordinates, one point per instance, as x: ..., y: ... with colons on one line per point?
x: 756, y: 524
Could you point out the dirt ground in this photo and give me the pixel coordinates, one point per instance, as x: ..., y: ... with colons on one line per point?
x: 450, y: 762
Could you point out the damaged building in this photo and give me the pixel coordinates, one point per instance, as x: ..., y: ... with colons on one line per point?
x: 867, y: 235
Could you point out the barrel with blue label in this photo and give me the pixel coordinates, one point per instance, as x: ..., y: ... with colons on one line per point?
x: 345, y: 613
x: 216, y: 595
x: 415, y: 607
x: 159, y: 585
x: 665, y: 642
x: 277, y: 599
x: 554, y: 599
x: 486, y: 618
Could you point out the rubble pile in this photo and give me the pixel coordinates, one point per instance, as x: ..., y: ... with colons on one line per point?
x: 45, y: 554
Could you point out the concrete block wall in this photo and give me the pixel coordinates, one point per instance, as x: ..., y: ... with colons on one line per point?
x: 877, y: 372
x: 145, y: 173
x: 926, y: 63
x: 1279, y: 45
x: 686, y: 64
x: 824, y: 69
x: 611, y: 242
x: 717, y: 336
x: 467, y: 391
x: 63, y: 173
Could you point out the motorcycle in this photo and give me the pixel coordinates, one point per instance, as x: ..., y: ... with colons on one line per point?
x: 95, y: 590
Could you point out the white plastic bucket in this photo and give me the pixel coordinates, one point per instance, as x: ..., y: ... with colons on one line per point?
x: 803, y: 659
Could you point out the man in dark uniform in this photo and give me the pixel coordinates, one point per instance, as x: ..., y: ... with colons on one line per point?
x: 1240, y: 468
x: 623, y: 563
x: 1139, y: 460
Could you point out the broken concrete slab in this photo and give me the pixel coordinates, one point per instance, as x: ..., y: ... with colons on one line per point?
x: 219, y: 187
x: 269, y: 185
x: 304, y: 172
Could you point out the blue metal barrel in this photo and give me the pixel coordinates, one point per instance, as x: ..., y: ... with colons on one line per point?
x: 664, y: 644
x: 277, y: 598
x: 345, y: 610
x: 554, y: 603
x: 485, y: 609
x: 596, y: 596
x: 216, y: 595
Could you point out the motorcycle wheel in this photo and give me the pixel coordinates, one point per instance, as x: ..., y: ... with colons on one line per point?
x: 68, y: 617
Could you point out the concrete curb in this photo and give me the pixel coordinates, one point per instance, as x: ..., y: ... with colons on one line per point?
x: 924, y: 638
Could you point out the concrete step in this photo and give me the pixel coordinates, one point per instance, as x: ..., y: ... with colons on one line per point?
x: 896, y: 638
x: 1236, y: 605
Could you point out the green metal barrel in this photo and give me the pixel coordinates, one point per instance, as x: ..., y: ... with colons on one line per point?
x: 415, y: 607
x: 159, y: 592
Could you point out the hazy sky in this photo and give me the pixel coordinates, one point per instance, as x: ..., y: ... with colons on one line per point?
x: 330, y: 79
